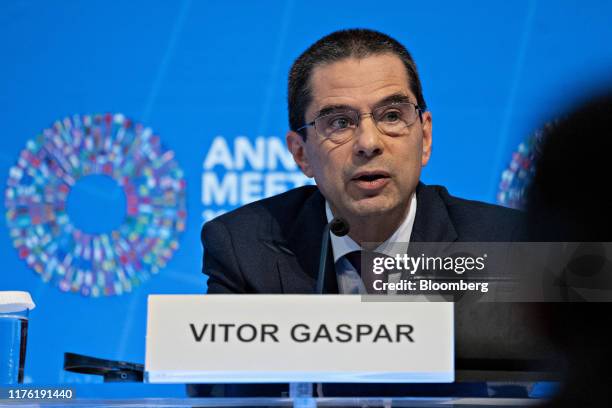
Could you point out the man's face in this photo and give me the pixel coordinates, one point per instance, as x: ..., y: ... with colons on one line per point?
x: 371, y: 173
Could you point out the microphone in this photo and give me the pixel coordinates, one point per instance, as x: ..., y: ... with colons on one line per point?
x: 339, y: 227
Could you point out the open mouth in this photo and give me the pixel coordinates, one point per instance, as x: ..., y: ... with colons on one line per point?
x: 371, y: 180
x: 370, y: 177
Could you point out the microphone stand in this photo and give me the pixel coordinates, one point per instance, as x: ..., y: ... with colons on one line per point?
x: 338, y: 227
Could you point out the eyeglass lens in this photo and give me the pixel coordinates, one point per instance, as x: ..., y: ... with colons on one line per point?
x: 392, y: 120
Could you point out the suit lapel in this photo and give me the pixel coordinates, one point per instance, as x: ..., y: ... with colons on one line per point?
x: 432, y: 223
x: 298, y: 274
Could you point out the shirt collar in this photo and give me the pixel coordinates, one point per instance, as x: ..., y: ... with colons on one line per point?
x: 397, y: 243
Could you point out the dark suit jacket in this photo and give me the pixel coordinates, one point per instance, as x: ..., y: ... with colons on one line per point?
x: 273, y: 245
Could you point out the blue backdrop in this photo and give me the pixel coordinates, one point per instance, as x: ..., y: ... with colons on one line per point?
x: 209, y: 78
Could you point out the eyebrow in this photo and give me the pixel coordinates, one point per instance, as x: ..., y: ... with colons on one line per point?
x: 391, y: 99
x: 327, y: 109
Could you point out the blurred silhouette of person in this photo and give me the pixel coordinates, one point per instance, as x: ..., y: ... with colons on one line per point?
x: 568, y: 201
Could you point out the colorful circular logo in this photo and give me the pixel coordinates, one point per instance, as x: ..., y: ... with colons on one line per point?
x: 516, y: 178
x: 76, y: 259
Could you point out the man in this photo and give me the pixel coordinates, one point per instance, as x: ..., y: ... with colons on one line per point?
x: 360, y: 127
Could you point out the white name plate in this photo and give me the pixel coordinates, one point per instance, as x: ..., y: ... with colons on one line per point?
x: 297, y: 338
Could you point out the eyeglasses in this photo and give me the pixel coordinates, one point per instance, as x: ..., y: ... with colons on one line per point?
x: 392, y: 120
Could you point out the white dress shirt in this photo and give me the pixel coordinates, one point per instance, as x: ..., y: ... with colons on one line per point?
x: 349, y: 280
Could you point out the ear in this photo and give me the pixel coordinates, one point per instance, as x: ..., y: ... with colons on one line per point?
x: 426, y: 124
x: 297, y: 146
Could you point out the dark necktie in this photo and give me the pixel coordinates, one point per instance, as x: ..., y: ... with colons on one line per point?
x: 363, y: 262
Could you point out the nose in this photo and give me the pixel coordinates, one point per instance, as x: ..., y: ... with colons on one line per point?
x: 367, y: 138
